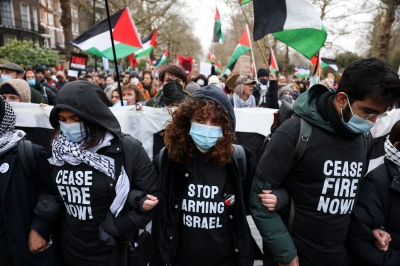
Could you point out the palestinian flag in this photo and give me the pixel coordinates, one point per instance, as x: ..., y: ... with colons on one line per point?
x: 243, y: 46
x: 149, y: 43
x: 162, y: 59
x: 97, y: 40
x: 273, y: 65
x: 218, y: 67
x: 210, y: 57
x: 301, y: 72
x: 293, y: 22
x: 326, y: 62
x: 315, y: 74
x: 218, y: 35
x: 242, y: 2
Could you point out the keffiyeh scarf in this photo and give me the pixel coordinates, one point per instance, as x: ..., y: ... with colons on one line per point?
x: 8, y: 136
x: 65, y: 151
x: 392, y: 153
x: 239, y: 103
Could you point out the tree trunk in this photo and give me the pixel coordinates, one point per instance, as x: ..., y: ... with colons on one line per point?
x: 385, y: 30
x: 66, y: 22
x: 285, y: 62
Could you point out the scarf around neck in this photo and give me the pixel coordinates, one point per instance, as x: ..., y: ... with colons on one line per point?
x: 65, y: 151
x: 392, y: 153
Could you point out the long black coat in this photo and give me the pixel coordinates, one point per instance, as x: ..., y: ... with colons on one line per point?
x: 377, y: 206
x: 19, y: 198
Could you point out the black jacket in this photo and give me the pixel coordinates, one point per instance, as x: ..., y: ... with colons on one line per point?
x: 51, y: 87
x: 174, y: 180
x: 377, y: 206
x: 18, y: 200
x: 271, y: 98
x: 45, y: 91
x: 88, y: 101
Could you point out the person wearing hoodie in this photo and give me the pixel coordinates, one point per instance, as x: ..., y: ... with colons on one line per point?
x: 25, y: 239
x: 173, y: 81
x: 43, y: 83
x: 135, y: 80
x: 15, y: 90
x: 34, y: 82
x: 266, y: 90
x: 203, y: 197
x: 324, y: 183
x: 374, y: 232
x: 95, y: 168
x: 201, y: 80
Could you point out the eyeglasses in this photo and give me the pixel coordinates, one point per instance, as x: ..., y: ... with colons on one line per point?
x: 369, y: 115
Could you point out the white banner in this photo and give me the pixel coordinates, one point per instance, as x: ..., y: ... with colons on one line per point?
x: 142, y: 125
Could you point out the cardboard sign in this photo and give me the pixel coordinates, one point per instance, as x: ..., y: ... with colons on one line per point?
x: 242, y: 65
x: 78, y: 61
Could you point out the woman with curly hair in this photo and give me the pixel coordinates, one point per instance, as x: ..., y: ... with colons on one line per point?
x: 204, y: 197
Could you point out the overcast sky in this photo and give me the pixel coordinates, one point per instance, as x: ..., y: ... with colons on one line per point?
x: 202, y: 13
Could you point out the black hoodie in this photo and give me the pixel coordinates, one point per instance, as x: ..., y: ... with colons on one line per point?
x: 80, y: 237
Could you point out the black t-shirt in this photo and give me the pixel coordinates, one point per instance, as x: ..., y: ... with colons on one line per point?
x: 324, y: 187
x: 86, y: 196
x: 204, y: 234
x: 5, y: 254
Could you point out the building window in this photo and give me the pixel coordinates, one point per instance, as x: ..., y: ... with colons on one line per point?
x: 50, y: 19
x: 46, y: 43
x: 59, y: 6
x: 75, y: 26
x: 49, y: 5
x: 43, y: 2
x: 25, y: 17
x: 75, y: 13
x: 35, y: 19
x: 62, y: 40
x: 8, y: 39
x: 52, y: 38
x: 7, y: 13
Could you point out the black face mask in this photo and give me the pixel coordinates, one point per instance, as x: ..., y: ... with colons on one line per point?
x: 264, y: 81
x: 172, y: 92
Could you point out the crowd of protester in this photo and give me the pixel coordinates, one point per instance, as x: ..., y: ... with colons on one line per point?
x: 89, y: 200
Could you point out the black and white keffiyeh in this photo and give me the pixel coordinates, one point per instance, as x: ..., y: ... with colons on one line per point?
x: 8, y: 136
x: 66, y: 151
x: 392, y: 153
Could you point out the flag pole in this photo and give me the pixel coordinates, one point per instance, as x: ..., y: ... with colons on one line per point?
x: 252, y: 55
x: 114, y: 54
x: 258, y: 44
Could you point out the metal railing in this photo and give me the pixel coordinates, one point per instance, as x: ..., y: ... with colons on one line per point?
x: 19, y: 24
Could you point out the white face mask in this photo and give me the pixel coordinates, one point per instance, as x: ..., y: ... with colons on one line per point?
x: 200, y: 82
x: 134, y: 81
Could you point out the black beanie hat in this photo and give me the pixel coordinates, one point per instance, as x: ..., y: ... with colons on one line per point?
x: 39, y: 69
x: 8, y: 89
x: 262, y: 72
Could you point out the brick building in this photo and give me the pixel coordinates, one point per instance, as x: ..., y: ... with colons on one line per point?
x: 19, y: 20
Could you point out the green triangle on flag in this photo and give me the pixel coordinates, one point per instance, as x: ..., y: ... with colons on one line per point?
x: 243, y: 2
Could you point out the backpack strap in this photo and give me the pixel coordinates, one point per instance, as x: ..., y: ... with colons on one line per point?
x: 304, y: 136
x: 368, y: 141
x: 239, y: 156
x: 27, y: 158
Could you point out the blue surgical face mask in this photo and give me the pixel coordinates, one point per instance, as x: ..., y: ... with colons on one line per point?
x: 357, y: 124
x: 205, y: 136
x: 31, y: 82
x: 75, y: 132
x: 5, y: 77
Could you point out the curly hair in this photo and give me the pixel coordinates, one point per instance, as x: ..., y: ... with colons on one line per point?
x: 138, y: 92
x: 178, y: 141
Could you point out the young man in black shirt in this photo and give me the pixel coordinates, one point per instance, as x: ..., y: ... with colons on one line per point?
x: 324, y: 182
